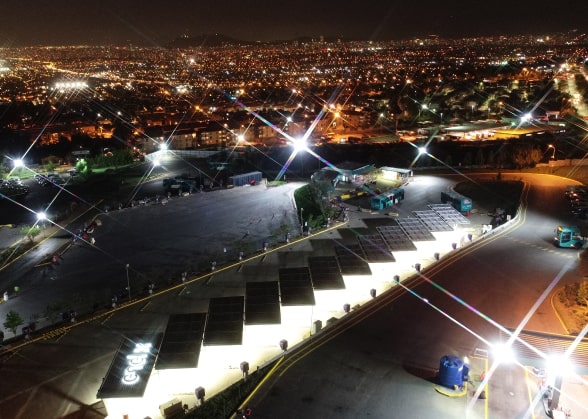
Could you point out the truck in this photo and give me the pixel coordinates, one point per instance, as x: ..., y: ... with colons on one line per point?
x: 569, y: 237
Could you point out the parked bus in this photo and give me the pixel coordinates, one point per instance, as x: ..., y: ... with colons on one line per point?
x: 387, y: 199
x: 459, y: 202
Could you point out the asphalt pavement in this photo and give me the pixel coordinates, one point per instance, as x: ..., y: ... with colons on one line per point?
x: 66, y: 384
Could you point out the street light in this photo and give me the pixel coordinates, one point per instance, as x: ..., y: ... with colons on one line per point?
x: 557, y: 368
x: 41, y: 217
x: 127, y: 266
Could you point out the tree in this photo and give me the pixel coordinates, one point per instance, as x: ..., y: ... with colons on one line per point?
x: 13, y: 320
x: 50, y: 167
x: 30, y: 232
x: 525, y: 155
x: 467, y: 159
x: 491, y: 161
x: 480, y: 157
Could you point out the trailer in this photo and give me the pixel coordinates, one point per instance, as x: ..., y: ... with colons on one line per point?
x: 251, y: 178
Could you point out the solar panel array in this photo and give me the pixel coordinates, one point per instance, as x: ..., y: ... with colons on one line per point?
x: 224, y: 325
x: 325, y: 273
x: 375, y: 249
x: 449, y: 214
x: 351, y: 259
x: 296, y: 287
x: 182, y: 341
x: 262, y: 303
x: 433, y: 221
x: 415, y: 229
x: 395, y: 238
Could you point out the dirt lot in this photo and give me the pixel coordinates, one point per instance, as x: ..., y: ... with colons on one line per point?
x: 493, y: 195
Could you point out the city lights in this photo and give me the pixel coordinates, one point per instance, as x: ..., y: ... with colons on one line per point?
x: 232, y: 109
x: 71, y: 85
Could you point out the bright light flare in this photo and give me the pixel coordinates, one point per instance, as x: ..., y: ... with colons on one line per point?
x: 163, y: 146
x: 503, y: 353
x: 299, y: 144
x: 41, y: 216
x: 18, y: 163
x: 559, y: 365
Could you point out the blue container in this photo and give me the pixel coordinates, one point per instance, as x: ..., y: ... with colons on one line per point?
x: 451, y: 371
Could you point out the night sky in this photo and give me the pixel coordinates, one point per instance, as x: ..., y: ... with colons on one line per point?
x: 155, y: 23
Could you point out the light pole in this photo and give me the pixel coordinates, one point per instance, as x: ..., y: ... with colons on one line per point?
x: 127, y: 266
x: 301, y: 221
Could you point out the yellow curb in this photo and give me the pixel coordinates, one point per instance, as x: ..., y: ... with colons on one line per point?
x: 529, y: 392
x: 449, y: 393
x: 258, y: 386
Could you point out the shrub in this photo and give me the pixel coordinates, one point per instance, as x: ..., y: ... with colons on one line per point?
x: 582, y: 293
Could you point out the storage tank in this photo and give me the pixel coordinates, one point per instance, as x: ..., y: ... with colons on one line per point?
x: 452, y: 371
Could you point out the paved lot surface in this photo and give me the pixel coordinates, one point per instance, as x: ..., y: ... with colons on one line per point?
x: 63, y: 370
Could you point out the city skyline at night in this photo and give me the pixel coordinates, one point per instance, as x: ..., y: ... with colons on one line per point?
x: 151, y: 24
